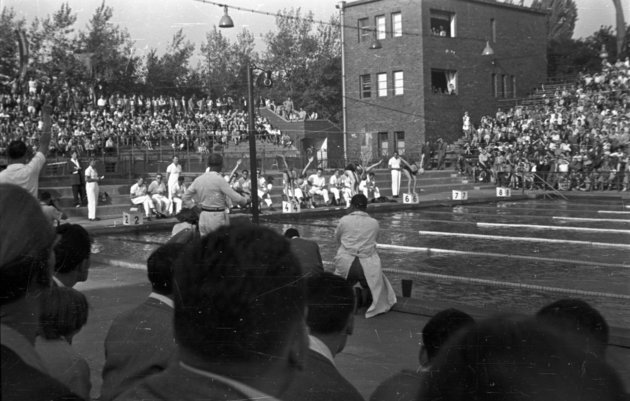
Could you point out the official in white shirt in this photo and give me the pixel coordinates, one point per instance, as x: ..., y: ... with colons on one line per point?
x: 91, y: 188
x: 395, y: 164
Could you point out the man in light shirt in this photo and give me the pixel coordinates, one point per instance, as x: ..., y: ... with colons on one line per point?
x: 22, y: 172
x: 172, y: 175
x: 318, y: 185
x: 158, y: 192
x: 395, y: 165
x: 138, y: 195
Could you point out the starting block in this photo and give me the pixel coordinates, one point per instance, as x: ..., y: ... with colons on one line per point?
x: 410, y: 198
x: 290, y: 207
x: 504, y: 192
x: 459, y: 195
x: 133, y: 218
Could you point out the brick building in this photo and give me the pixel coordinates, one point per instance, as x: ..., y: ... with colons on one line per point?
x: 430, y: 68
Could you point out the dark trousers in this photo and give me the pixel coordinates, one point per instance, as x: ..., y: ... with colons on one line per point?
x: 356, y: 275
x: 78, y: 191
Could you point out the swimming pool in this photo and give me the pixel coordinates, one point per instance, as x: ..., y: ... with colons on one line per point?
x: 507, y: 256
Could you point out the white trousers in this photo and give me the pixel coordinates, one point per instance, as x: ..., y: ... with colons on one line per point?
x: 91, y: 189
x: 321, y: 191
x: 177, y: 204
x: 395, y: 182
x: 162, y: 203
x: 377, y: 193
x: 145, y: 201
x: 210, y: 221
x: 336, y: 193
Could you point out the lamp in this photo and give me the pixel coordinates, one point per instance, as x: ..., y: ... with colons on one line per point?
x: 487, y: 51
x: 226, y: 20
x: 603, y: 54
x: 376, y: 44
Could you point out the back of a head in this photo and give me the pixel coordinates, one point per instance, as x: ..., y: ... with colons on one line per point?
x: 16, y: 150
x: 72, y: 248
x: 291, y: 233
x: 359, y: 202
x: 26, y: 239
x: 215, y: 162
x: 63, y: 312
x: 160, y: 267
x: 330, y: 302
x: 238, y: 295
x: 575, y: 316
x: 517, y: 359
x: 442, y: 326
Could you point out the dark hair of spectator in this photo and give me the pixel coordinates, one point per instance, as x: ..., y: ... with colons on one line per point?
x: 442, y: 326
x: 359, y: 201
x: 351, y: 167
x: 517, y: 359
x: 160, y: 267
x: 26, y: 239
x: 73, y: 247
x: 45, y: 197
x: 238, y: 294
x: 330, y: 302
x: 63, y: 312
x: 188, y: 215
x: 16, y: 150
x: 215, y: 160
x: 291, y: 233
x: 578, y: 317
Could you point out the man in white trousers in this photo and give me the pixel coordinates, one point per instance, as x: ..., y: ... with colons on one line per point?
x: 172, y: 176
x: 91, y: 188
x: 395, y: 164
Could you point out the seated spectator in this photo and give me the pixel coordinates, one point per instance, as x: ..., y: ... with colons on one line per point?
x: 50, y: 209
x: 64, y: 311
x: 368, y: 187
x: 439, y: 329
x: 239, y: 320
x: 517, y: 359
x: 140, y: 342
x: 178, y: 191
x: 26, y: 241
x: 159, y: 194
x: 306, y: 252
x: 138, y: 195
x: 72, y: 255
x: 330, y: 320
x: 265, y: 184
x: 335, y: 186
x: 576, y: 317
x: 318, y: 185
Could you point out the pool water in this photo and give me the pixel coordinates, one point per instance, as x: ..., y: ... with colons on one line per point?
x: 572, y: 245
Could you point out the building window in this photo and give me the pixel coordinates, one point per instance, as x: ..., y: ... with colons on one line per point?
x: 365, y: 81
x: 399, y: 136
x: 443, y: 23
x: 364, y: 30
x: 381, y: 84
x: 444, y: 82
x: 381, y: 29
x: 493, y: 29
x: 495, y: 85
x: 396, y: 25
x: 383, y: 144
x: 513, y: 86
x: 398, y: 83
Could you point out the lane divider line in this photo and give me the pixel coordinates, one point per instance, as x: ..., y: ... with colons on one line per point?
x: 430, y: 251
x: 591, y: 219
x: 612, y: 212
x: 561, y: 228
x: 526, y: 239
x: 497, y: 283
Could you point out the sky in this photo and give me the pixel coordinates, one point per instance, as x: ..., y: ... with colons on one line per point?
x: 152, y: 23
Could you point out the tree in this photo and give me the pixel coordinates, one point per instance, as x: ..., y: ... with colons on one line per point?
x: 169, y: 74
x: 113, y: 52
x: 562, y: 18
x: 621, y: 27
x: 8, y: 45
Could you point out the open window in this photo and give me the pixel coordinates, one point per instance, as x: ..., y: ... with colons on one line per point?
x: 444, y: 82
x: 365, y: 34
x: 365, y: 83
x: 443, y: 23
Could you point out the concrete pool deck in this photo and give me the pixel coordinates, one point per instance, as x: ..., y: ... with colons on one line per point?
x: 379, y: 347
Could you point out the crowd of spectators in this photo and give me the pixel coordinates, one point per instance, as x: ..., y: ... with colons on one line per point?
x: 577, y: 138
x: 93, y: 122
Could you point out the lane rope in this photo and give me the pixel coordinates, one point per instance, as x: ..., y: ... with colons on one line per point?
x: 560, y: 228
x: 591, y: 219
x: 526, y: 239
x: 612, y: 212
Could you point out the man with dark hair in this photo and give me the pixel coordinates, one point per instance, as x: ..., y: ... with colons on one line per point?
x: 140, y: 342
x: 72, y: 255
x: 210, y: 191
x: 307, y: 252
x: 21, y: 173
x: 26, y: 241
x: 357, y: 260
x: 330, y: 320
x: 239, y: 320
x: 577, y: 317
x: 405, y: 385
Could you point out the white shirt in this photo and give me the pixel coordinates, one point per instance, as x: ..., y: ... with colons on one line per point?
x: 317, y: 182
x: 162, y: 298
x: 174, y: 171
x: 394, y: 163
x: 25, y: 175
x: 137, y: 190
x: 318, y: 346
x: 90, y: 172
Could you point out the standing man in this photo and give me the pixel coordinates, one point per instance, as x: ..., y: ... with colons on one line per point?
x: 78, y: 182
x: 21, y: 173
x: 357, y: 259
x: 395, y: 164
x: 158, y: 192
x: 441, y: 153
x: 91, y: 188
x: 172, y: 175
x: 211, y: 192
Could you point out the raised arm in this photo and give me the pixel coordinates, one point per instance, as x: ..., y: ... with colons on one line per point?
x: 405, y: 162
x: 367, y: 170
x: 238, y: 163
x: 284, y: 160
x: 44, y: 139
x: 310, y: 160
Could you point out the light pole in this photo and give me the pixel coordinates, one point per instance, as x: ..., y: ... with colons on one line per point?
x: 252, y: 143
x: 341, y: 6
